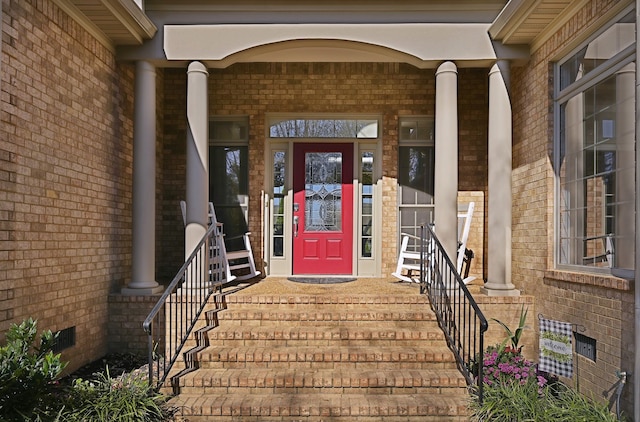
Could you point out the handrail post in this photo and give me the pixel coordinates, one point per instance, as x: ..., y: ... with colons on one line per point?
x: 451, y: 301
x: 188, y: 307
x: 150, y: 353
x: 423, y: 287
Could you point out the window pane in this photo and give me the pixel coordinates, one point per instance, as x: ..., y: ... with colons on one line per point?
x: 416, y: 129
x: 366, y: 203
x: 596, y: 177
x: 324, y: 128
x: 416, y: 173
x: 604, y: 47
x: 279, y: 178
x: 228, y: 190
x: 229, y: 130
x: 228, y: 169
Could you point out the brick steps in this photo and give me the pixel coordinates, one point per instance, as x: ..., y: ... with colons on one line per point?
x: 320, y: 357
x: 408, y: 357
x: 325, y: 407
x: 257, y: 317
x: 345, y: 333
x: 258, y: 380
x: 327, y: 299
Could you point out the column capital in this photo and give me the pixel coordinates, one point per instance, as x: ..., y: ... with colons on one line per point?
x: 447, y: 67
x: 197, y: 67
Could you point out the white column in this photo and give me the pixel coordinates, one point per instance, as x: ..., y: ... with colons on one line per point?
x: 144, y: 184
x: 446, y: 166
x: 197, y: 156
x: 625, y: 163
x: 500, y: 167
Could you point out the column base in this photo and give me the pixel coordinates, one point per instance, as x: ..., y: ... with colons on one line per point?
x: 499, y: 292
x: 146, y: 291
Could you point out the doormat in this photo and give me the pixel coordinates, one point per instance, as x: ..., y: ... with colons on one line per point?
x: 321, y: 280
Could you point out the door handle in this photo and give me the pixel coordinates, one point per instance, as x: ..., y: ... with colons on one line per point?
x: 295, y: 226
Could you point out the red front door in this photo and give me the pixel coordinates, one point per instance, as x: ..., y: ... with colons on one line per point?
x: 323, y: 208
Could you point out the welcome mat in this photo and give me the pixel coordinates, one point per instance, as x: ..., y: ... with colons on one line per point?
x: 321, y: 280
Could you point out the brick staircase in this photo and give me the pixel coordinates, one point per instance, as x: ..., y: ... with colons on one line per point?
x: 342, y: 357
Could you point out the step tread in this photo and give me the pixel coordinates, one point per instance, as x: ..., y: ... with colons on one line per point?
x: 327, y: 315
x: 325, y: 378
x: 326, y: 404
x: 390, y: 331
x: 218, y: 353
x: 345, y: 299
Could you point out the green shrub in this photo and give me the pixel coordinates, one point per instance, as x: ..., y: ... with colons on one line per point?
x: 124, y: 398
x: 28, y: 373
x: 515, y: 402
x: 514, y: 391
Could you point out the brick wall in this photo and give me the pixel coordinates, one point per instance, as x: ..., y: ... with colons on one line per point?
x: 65, y: 183
x: 389, y: 90
x: 126, y: 315
x: 603, y: 305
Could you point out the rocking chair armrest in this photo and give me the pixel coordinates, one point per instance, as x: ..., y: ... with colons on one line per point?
x: 240, y: 236
x: 410, y: 236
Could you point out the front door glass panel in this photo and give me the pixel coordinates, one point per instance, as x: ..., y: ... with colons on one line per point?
x: 323, y: 191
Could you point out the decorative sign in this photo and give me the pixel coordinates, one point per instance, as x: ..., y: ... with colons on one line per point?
x: 556, y: 351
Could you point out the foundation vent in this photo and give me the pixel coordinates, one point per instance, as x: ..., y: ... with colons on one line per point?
x: 585, y: 346
x: 66, y: 338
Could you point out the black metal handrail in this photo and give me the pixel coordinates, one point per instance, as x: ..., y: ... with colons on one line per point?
x: 458, y: 314
x: 174, y: 316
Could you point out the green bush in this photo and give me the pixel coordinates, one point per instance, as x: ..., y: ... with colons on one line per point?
x: 28, y: 373
x: 127, y: 398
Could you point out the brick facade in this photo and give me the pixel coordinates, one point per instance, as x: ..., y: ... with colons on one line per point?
x: 65, y: 178
x: 603, y: 305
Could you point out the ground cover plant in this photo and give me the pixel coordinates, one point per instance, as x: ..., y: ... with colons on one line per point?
x: 515, y: 391
x: 31, y: 388
x: 28, y: 373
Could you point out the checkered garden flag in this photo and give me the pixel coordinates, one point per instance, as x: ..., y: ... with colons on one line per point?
x: 556, y: 351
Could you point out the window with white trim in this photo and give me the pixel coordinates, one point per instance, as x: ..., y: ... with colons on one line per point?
x: 229, y: 174
x: 595, y: 152
x: 416, y: 160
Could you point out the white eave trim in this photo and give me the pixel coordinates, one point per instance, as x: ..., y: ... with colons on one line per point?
x: 420, y: 43
x: 84, y: 22
x: 126, y: 12
x: 510, y: 18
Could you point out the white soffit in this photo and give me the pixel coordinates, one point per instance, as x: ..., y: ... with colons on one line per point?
x: 418, y: 44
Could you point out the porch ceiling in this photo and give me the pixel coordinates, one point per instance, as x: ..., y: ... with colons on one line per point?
x: 113, y: 22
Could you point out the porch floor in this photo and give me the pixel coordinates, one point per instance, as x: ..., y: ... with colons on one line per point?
x: 276, y: 285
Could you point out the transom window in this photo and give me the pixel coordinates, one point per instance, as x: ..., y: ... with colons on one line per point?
x: 595, y: 151
x: 324, y: 128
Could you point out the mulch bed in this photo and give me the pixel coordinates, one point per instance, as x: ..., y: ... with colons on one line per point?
x: 117, y: 364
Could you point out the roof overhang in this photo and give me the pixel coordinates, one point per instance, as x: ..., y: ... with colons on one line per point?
x: 532, y: 22
x: 112, y: 22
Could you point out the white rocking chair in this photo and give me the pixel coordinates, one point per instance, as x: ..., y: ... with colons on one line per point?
x: 240, y: 263
x: 409, y: 258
